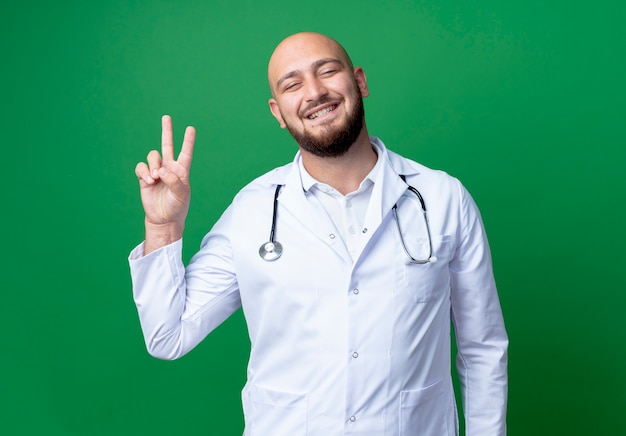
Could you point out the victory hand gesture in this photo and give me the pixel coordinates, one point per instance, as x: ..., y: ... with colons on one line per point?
x: 164, y: 187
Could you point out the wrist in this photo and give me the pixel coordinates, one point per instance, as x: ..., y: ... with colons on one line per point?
x: 160, y: 235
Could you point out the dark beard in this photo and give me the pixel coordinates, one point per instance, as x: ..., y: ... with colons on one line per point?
x: 336, y: 142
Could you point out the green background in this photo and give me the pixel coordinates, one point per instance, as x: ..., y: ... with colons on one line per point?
x: 522, y: 100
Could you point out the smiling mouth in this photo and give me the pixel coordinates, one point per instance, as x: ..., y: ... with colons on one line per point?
x: 322, y: 112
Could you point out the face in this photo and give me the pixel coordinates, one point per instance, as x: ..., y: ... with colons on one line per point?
x: 317, y: 94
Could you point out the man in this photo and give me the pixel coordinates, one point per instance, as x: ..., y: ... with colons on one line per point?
x: 349, y: 303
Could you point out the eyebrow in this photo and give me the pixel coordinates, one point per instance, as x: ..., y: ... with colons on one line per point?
x: 315, y: 65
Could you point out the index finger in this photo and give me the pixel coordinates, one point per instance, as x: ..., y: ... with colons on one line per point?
x: 167, y: 141
x: 186, y: 153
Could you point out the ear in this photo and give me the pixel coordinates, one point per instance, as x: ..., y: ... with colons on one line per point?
x: 361, y: 81
x: 276, y: 112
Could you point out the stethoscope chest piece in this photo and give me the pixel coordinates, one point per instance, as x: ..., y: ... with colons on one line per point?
x: 271, y: 250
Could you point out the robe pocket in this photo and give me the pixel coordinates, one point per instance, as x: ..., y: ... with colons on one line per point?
x: 426, y: 412
x: 278, y: 413
x: 425, y: 282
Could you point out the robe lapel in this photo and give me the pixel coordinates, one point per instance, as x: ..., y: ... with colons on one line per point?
x: 306, y: 209
x: 388, y: 189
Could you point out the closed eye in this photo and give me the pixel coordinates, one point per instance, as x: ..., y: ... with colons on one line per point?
x: 291, y: 86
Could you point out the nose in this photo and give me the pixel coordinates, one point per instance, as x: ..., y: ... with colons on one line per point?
x: 315, y: 90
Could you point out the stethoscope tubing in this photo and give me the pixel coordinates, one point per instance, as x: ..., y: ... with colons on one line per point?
x: 272, y: 249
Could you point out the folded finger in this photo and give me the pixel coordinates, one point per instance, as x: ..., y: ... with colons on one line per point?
x: 143, y: 173
x: 154, y: 163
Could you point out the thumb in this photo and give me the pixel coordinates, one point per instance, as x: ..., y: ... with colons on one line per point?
x: 176, y: 185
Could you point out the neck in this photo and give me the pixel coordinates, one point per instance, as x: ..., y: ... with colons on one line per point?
x: 344, y: 173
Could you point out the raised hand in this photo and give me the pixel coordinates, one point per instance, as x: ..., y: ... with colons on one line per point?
x: 165, y: 189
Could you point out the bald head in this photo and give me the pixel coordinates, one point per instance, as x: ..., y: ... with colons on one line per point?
x: 294, y: 51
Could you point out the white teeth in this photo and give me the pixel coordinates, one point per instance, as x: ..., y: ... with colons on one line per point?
x: 321, y: 112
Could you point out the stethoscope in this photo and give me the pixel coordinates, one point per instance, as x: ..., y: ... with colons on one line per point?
x: 272, y: 249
